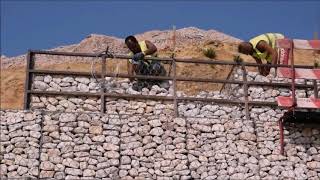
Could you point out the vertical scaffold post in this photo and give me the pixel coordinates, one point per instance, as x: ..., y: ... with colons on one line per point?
x: 29, y: 79
x: 281, y: 135
x: 175, y: 102
x: 316, y: 95
x: 245, y: 88
x: 103, y: 79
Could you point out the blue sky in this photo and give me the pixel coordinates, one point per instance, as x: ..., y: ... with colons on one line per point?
x: 47, y: 24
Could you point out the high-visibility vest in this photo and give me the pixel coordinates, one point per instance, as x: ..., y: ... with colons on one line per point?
x: 270, y: 38
x: 144, y: 48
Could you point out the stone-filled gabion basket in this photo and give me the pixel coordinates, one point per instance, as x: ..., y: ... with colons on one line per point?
x: 68, y: 138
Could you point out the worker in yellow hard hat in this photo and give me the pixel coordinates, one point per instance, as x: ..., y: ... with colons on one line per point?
x: 262, y: 47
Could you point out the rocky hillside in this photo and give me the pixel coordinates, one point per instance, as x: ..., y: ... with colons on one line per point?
x: 93, y: 43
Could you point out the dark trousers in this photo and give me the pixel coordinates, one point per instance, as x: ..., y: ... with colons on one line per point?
x: 153, y: 68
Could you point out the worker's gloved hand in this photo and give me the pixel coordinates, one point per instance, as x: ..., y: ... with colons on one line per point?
x: 138, y: 56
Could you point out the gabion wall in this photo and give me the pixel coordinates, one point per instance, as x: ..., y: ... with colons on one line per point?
x: 142, y: 140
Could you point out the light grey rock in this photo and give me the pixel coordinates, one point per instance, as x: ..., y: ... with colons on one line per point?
x: 89, y: 173
x: 89, y: 107
x: 70, y: 163
x: 312, y: 150
x: 67, y: 104
x: 202, y: 128
x: 195, y: 165
x: 73, y: 171
x: 22, y: 170
x: 218, y: 128
x: 133, y: 172
x: 64, y: 137
x: 67, y: 117
x: 219, y: 113
x: 169, y: 155
x: 157, y: 131
x: 47, y: 165
x: 3, y: 169
x: 83, y: 88
x: 12, y: 119
x: 47, y: 79
x: 95, y: 130
x: 83, y: 80
x: 179, y: 121
x: 313, y: 165
x: 46, y: 174
x: 238, y: 176
x: 59, y: 175
x: 35, y: 99
x: 247, y: 136
x: 125, y: 160
x: 123, y: 173
x: 68, y: 79
x: 192, y: 113
x: 83, y: 147
x: 51, y: 107
x: 155, y: 123
x: 110, y: 147
x: 99, y: 138
x: 76, y: 101
x: 112, y: 154
x: 264, y: 163
x: 40, y: 85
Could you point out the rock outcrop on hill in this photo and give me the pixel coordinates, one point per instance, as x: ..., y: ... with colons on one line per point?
x: 95, y: 43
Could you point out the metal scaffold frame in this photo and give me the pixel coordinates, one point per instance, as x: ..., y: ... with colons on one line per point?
x: 30, y: 71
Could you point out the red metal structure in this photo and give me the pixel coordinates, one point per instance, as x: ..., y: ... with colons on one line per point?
x: 286, y: 56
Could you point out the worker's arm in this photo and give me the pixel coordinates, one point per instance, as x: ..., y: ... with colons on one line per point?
x: 151, y: 48
x: 263, y: 46
x: 262, y: 70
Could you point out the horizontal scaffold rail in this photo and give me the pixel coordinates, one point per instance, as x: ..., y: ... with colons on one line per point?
x: 178, y: 60
x: 102, y: 74
x: 70, y: 73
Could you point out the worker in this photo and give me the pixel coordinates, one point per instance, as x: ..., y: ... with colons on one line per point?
x: 262, y: 48
x: 139, y: 66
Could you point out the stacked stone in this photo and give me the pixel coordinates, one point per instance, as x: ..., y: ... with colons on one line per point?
x: 80, y: 146
x: 92, y: 104
x: 260, y: 93
x: 124, y: 86
x: 65, y: 83
x: 222, y: 147
x: 139, y: 107
x: 66, y: 104
x: 205, y: 110
x: 153, y: 147
x: 19, y: 137
x: 92, y: 85
x: 301, y: 158
x: 140, y: 139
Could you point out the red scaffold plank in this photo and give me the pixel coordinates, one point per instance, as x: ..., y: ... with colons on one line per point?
x: 307, y: 44
x: 284, y: 43
x: 300, y: 73
x: 301, y: 102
